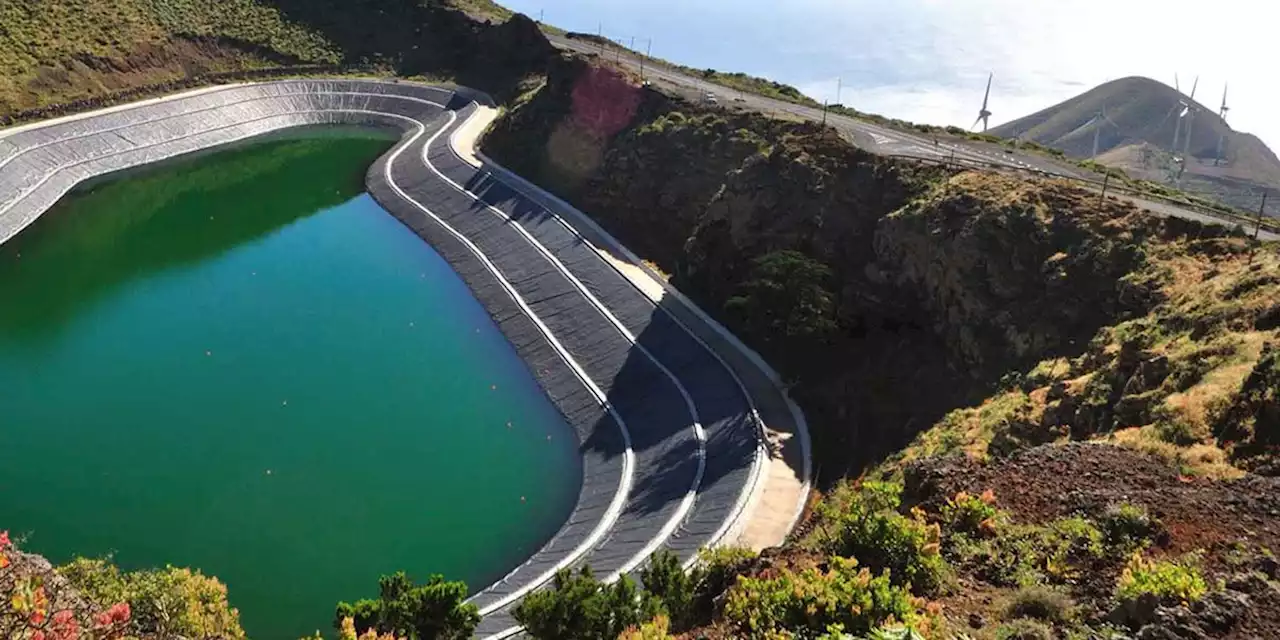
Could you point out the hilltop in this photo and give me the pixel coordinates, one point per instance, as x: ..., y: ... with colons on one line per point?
x: 1137, y: 136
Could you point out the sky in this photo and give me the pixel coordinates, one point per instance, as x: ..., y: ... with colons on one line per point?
x: 928, y: 60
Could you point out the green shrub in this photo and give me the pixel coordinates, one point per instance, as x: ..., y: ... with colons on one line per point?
x: 1024, y: 555
x: 716, y: 571
x: 167, y: 602
x: 967, y: 513
x: 435, y: 610
x: 1127, y: 527
x: 658, y: 628
x: 1042, y: 603
x: 869, y: 529
x: 669, y: 586
x: 579, y: 607
x: 1024, y: 629
x: 1169, y: 581
x: 814, y: 600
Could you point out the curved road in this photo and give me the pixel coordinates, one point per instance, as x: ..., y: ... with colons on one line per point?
x: 670, y: 438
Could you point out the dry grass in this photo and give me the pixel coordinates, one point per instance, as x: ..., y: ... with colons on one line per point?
x: 1203, y: 460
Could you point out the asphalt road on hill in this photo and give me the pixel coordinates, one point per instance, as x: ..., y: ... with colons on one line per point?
x: 880, y: 139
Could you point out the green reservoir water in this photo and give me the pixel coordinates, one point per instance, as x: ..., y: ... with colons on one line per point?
x: 240, y: 363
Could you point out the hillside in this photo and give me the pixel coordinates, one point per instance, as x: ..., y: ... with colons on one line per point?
x: 1138, y: 135
x: 56, y: 51
x: 949, y: 333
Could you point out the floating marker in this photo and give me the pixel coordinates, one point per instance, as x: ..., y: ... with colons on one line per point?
x: 208, y: 353
x: 268, y: 472
x: 284, y: 403
x: 411, y: 324
x: 493, y: 387
x: 548, y: 436
x: 521, y: 498
x: 508, y: 424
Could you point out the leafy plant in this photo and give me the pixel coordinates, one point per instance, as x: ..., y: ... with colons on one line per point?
x: 657, y: 629
x: 578, y: 607
x: 435, y: 610
x: 967, y: 513
x: 815, y: 600
x: 167, y: 602
x: 1025, y: 555
x: 869, y: 529
x: 669, y: 586
x: 1169, y: 581
x: 1127, y: 527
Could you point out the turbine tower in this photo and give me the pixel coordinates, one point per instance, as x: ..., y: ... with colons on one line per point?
x: 1190, y: 112
x: 1222, y: 113
x: 1177, y: 124
x: 984, y: 115
x: 1096, y: 122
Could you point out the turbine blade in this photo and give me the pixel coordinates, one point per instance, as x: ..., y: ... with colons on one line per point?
x: 987, y: 95
x: 975, y: 123
x: 1193, y: 88
x: 1175, y: 84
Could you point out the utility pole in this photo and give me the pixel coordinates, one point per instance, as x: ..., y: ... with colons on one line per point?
x: 838, y: 87
x: 1261, y: 212
x: 648, y: 50
x: 600, y: 37
x: 541, y: 14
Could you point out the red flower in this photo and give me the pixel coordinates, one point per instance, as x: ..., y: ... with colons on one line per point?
x: 4, y: 540
x: 39, y: 635
x: 119, y: 612
x: 65, y: 626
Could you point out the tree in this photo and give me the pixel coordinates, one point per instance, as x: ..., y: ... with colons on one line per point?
x: 579, y: 607
x: 669, y: 587
x: 436, y: 610
x: 785, y: 296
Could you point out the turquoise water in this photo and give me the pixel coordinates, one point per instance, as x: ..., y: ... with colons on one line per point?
x: 240, y: 363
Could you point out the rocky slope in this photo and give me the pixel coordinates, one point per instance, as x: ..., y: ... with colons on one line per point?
x: 889, y: 292
x: 973, y: 320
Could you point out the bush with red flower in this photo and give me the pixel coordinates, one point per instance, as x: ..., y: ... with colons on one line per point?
x: 94, y: 600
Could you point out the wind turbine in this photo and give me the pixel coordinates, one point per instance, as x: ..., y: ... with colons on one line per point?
x: 1222, y: 113
x: 1096, y: 122
x: 1177, y: 124
x: 1190, y: 113
x: 984, y: 114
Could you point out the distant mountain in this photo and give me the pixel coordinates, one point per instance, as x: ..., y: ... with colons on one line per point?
x: 1137, y: 135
